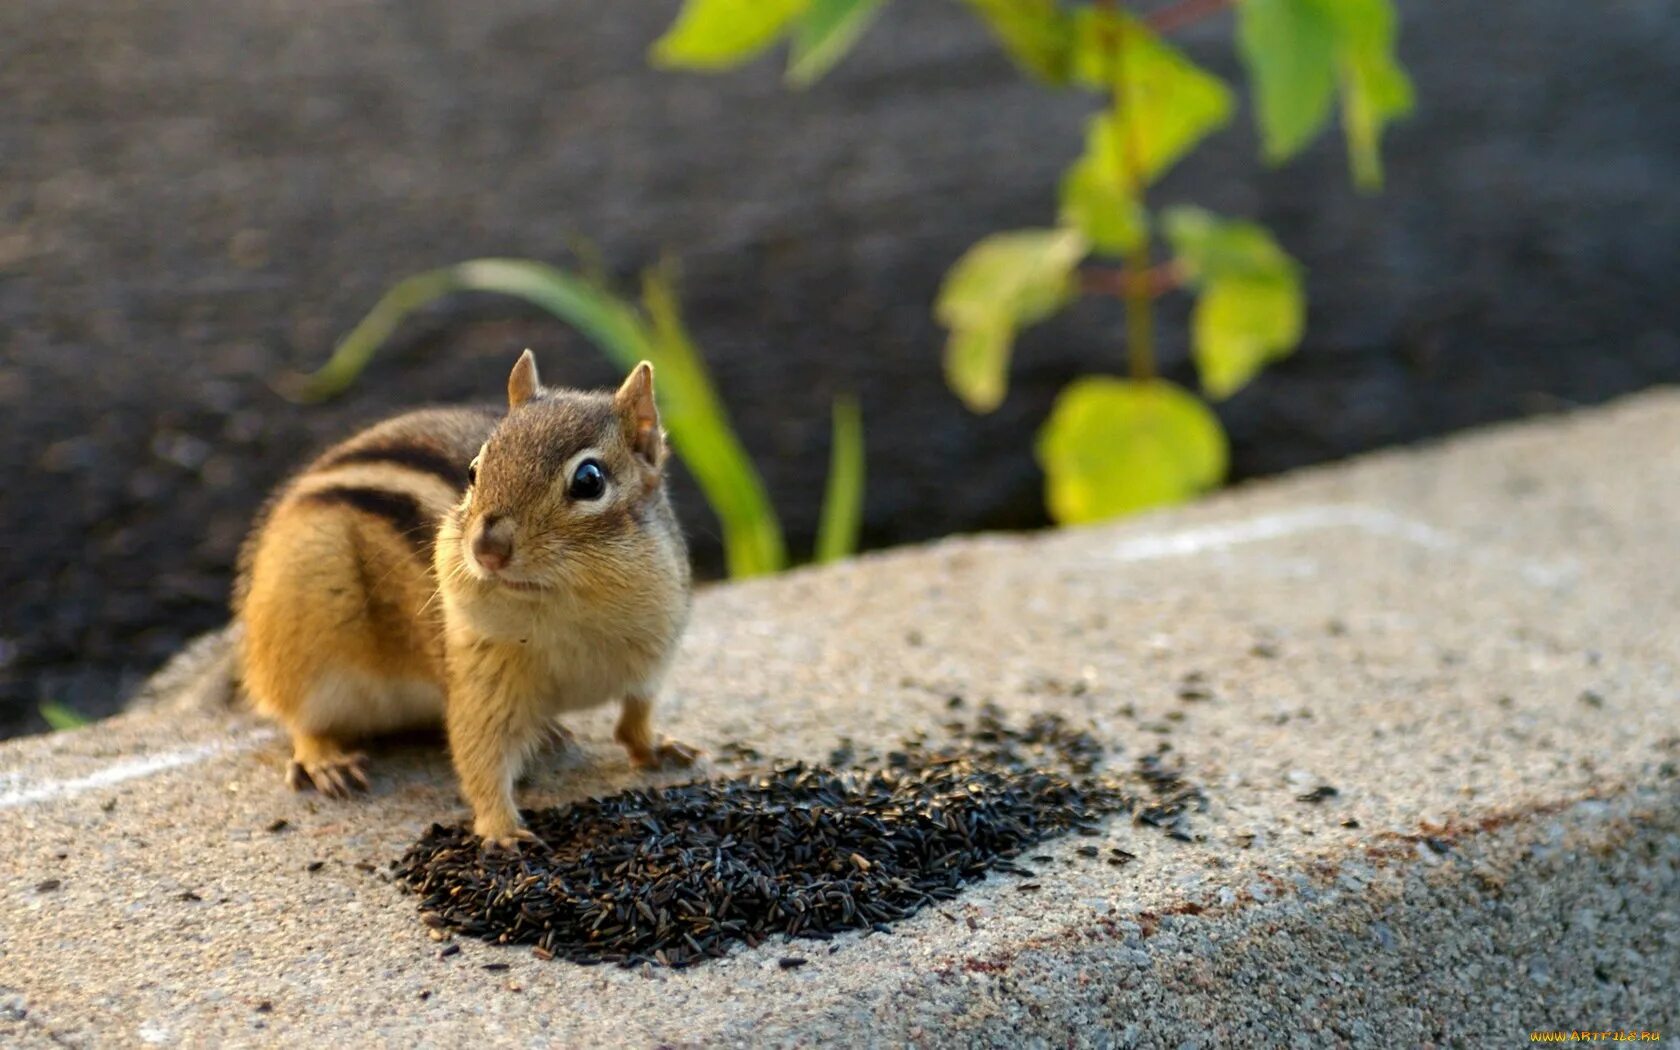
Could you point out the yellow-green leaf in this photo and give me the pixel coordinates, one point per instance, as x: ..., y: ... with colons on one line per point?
x: 717, y: 34
x: 1167, y: 103
x: 1096, y: 197
x: 1003, y: 283
x: 823, y: 35
x: 1375, y: 89
x: 1207, y: 246
x: 1037, y: 34
x: 1250, y: 308
x: 1298, y: 52
x: 1289, y: 47
x: 1240, y: 324
x: 1113, y: 446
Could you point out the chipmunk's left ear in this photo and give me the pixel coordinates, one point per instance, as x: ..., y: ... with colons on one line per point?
x: 639, y: 416
x: 523, y: 383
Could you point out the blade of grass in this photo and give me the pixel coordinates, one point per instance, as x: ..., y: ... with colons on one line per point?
x: 700, y: 429
x: 693, y: 415
x: 60, y: 717
x: 842, y: 507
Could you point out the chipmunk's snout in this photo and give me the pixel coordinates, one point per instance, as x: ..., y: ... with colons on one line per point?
x: 492, y: 547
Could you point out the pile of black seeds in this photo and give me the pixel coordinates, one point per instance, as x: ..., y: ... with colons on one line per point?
x: 676, y: 875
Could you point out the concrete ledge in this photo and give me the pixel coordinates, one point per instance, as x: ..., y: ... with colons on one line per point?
x: 1475, y: 644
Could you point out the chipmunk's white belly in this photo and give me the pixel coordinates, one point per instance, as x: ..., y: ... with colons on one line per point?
x: 586, y: 665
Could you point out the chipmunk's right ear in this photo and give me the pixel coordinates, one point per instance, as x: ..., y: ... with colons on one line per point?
x: 523, y: 383
x: 636, y: 411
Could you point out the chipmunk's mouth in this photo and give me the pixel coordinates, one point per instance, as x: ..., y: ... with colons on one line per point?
x: 520, y: 585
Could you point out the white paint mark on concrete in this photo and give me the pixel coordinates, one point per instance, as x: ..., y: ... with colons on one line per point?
x: 18, y: 791
x: 1374, y: 521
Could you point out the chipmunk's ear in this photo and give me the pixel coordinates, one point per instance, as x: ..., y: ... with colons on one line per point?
x: 523, y: 383
x: 639, y: 416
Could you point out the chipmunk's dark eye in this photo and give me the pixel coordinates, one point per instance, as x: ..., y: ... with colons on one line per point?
x: 588, y: 481
x: 472, y: 472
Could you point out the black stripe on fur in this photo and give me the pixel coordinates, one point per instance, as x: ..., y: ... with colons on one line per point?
x: 400, y: 510
x: 422, y: 458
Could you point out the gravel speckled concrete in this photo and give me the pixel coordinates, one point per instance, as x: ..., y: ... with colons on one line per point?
x: 1475, y: 644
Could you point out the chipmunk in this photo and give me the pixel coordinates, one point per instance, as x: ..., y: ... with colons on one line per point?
x: 482, y: 570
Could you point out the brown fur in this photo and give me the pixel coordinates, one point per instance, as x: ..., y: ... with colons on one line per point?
x: 365, y: 610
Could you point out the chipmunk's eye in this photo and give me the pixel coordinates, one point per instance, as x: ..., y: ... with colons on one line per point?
x: 588, y: 481
x: 472, y: 472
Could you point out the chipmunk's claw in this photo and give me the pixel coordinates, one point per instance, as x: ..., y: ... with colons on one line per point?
x: 667, y: 754
x: 513, y: 842
x: 338, y: 776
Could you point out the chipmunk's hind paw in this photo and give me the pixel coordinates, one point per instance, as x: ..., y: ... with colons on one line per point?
x: 329, y: 770
x: 667, y: 754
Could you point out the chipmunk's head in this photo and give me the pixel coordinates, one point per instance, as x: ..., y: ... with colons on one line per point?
x: 568, y: 492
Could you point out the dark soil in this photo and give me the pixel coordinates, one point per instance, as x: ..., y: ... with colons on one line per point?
x: 192, y: 201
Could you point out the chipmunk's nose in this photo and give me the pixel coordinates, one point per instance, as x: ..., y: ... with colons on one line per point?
x: 493, y: 546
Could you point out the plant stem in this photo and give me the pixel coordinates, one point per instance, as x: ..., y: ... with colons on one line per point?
x: 1121, y: 282
x: 1183, y: 13
x: 1140, y: 305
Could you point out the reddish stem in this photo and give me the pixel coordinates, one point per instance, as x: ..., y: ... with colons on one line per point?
x: 1183, y: 13
x: 1107, y: 280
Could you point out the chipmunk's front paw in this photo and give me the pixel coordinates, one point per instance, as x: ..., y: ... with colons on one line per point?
x: 330, y: 771
x: 512, y: 841
x: 667, y: 754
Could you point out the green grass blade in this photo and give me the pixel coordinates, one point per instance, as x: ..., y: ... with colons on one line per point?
x: 690, y: 409
x: 60, y: 717
x: 700, y: 429
x: 842, y: 508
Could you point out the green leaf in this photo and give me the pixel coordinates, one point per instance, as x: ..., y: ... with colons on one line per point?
x: 1210, y: 247
x: 61, y: 717
x: 1113, y: 446
x: 823, y: 35
x: 1289, y: 47
x: 1097, y: 199
x: 717, y: 34
x: 1298, y: 52
x: 1238, y: 325
x: 1250, y: 308
x: 842, y: 506
x: 1375, y: 89
x: 1166, y: 103
x: 1037, y: 34
x: 1003, y: 283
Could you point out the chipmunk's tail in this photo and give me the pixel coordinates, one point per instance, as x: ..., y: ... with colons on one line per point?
x: 203, y: 678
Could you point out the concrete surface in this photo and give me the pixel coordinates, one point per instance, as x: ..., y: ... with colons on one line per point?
x: 1475, y: 644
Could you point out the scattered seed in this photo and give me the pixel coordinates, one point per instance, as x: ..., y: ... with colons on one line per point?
x: 277, y: 825
x: 315, y: 865
x: 1318, y: 794
x: 189, y: 895
x: 48, y: 885
x: 791, y: 962
x: 677, y: 875
x: 495, y: 967
x: 265, y: 1007
x: 1350, y: 822
x: 447, y: 950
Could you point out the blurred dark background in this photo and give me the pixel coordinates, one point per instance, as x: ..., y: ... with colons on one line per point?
x: 195, y: 197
